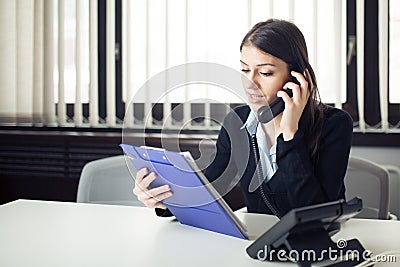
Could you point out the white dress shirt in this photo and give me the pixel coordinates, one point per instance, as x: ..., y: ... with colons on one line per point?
x: 267, y: 156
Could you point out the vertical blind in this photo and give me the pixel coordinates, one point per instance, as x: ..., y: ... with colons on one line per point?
x: 49, y: 52
x: 161, y: 34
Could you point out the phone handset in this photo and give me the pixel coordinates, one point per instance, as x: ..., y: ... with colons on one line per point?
x: 268, y: 112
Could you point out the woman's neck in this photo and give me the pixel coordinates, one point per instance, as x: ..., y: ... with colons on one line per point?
x: 272, y: 129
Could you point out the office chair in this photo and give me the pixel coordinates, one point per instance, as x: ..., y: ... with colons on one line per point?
x: 369, y: 181
x: 107, y: 181
x: 394, y: 187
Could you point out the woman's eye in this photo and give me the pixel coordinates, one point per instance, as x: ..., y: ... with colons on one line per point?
x: 266, y: 73
x: 244, y: 70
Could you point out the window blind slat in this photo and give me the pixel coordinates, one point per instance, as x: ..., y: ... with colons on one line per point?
x: 291, y: 10
x: 148, y: 105
x: 166, y: 121
x: 271, y: 8
x: 186, y: 105
x: 148, y: 114
x: 61, y: 108
x: 38, y: 63
x: 315, y: 35
x: 383, y: 25
x: 24, y: 68
x: 207, y: 112
x: 127, y: 71
x: 110, y: 58
x: 360, y: 63
x: 338, y: 60
x: 78, y: 116
x: 7, y: 54
x: 49, y: 117
x: 93, y: 65
x: 249, y: 13
x: 343, y: 55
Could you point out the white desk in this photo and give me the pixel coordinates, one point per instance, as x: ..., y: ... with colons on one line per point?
x: 40, y: 233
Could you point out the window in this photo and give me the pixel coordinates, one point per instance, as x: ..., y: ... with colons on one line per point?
x: 125, y: 43
x: 72, y: 64
x: 371, y: 93
x: 394, y: 52
x: 163, y: 34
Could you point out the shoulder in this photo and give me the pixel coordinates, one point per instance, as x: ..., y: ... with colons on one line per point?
x: 337, y: 116
x: 336, y: 121
x: 230, y: 129
x: 238, y: 115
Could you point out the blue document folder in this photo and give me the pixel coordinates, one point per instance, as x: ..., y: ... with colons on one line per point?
x: 195, y: 201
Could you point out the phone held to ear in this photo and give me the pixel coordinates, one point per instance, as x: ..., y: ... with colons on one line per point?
x: 267, y: 113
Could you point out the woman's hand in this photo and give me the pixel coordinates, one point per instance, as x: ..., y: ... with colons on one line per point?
x: 150, y: 197
x: 294, y: 106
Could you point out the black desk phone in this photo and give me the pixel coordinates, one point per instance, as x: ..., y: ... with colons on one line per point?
x: 268, y: 112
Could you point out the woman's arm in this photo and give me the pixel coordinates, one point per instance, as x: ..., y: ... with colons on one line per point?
x: 221, y: 162
x: 308, y: 184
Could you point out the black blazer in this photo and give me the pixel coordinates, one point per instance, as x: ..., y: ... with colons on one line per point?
x: 298, y: 181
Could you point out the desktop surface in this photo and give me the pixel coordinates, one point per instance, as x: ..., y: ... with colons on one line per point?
x: 45, y: 233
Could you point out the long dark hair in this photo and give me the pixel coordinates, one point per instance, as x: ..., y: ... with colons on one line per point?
x: 282, y: 39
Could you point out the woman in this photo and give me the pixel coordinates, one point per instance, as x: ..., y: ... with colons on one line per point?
x: 303, y: 152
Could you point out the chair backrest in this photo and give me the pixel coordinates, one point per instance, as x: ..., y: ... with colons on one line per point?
x: 394, y: 189
x: 107, y: 181
x: 369, y: 181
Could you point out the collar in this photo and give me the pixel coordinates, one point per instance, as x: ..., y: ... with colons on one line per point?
x: 251, y: 123
x: 251, y: 126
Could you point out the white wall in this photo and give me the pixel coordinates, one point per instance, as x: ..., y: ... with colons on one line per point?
x: 381, y: 155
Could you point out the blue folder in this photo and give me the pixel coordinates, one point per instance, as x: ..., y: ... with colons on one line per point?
x: 195, y: 201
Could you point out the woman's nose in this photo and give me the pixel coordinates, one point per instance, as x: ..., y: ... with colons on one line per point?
x: 252, y: 81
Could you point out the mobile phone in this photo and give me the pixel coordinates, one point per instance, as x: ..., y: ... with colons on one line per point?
x: 268, y: 112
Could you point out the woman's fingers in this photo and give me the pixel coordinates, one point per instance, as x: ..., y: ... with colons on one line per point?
x: 299, y: 91
x: 285, y: 97
x: 293, y: 106
x: 143, y: 180
x: 150, y: 197
x: 300, y: 77
x: 158, y: 192
x: 153, y: 197
x: 141, y: 174
x: 146, y: 181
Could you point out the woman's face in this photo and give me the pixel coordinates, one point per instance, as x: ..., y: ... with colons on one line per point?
x: 267, y: 74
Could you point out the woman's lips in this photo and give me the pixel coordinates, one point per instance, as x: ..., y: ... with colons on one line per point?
x: 256, y: 98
